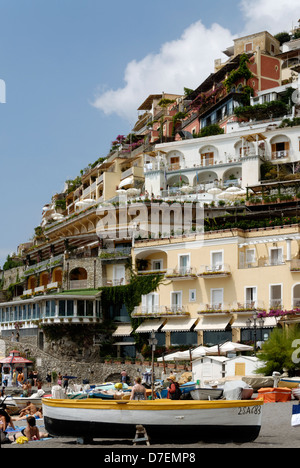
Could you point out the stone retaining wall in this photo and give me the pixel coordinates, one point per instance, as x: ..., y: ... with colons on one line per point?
x: 95, y: 372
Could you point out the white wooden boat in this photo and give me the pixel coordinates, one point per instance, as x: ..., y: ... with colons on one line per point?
x: 207, y: 393
x: 296, y: 393
x: 163, y: 419
x: 289, y: 382
x: 21, y: 402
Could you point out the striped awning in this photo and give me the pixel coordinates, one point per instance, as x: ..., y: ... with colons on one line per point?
x: 148, y: 325
x: 241, y: 322
x: 179, y: 324
x: 213, y: 323
x: 123, y: 330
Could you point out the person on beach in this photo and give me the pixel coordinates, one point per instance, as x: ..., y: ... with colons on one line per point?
x: 174, y: 392
x: 31, y: 431
x: 125, y: 378
x: 5, y: 419
x: 20, y: 379
x: 30, y: 409
x: 59, y: 379
x: 138, y: 391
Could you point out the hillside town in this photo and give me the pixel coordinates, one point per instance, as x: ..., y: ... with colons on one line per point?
x: 188, y: 228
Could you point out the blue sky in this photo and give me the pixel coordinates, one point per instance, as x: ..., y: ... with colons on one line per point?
x: 76, y: 71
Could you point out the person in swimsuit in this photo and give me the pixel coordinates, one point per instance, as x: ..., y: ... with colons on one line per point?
x: 31, y: 431
x: 138, y: 391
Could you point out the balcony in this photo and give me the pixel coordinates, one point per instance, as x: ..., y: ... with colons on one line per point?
x: 215, y: 308
x: 276, y: 304
x: 160, y: 311
x: 115, y: 282
x: 215, y: 271
x: 295, y: 265
x: 44, y: 265
x: 296, y: 302
x: 182, y: 273
x: 280, y: 156
x: 78, y: 284
x: 249, y: 306
x: 135, y: 171
x: 151, y: 272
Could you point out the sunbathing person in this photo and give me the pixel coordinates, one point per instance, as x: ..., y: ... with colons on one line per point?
x: 31, y: 431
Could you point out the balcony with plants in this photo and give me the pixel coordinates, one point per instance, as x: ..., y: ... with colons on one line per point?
x: 181, y: 273
x: 215, y: 271
x: 160, y: 311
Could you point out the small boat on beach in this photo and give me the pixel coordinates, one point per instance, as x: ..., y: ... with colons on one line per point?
x: 296, y: 393
x: 207, y: 393
x: 289, y: 382
x: 21, y: 402
x: 163, y: 420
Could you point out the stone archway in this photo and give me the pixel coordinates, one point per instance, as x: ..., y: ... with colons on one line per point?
x: 78, y: 278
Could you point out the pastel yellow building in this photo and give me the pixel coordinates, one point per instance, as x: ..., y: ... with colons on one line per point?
x: 215, y: 282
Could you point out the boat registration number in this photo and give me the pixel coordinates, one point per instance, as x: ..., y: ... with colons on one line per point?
x: 249, y: 410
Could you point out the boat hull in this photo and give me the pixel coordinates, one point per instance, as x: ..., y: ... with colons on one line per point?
x: 164, y: 420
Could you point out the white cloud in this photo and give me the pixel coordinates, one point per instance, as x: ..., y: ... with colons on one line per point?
x: 185, y: 62
x: 269, y: 15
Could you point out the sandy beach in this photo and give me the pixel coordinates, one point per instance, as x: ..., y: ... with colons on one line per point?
x: 276, y: 432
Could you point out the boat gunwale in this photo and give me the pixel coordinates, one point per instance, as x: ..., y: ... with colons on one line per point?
x: 148, y: 405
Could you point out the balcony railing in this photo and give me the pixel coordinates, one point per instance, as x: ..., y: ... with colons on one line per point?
x: 249, y: 306
x: 160, y: 311
x: 276, y: 304
x: 280, y: 154
x: 296, y: 302
x: 295, y: 265
x: 44, y: 265
x: 215, y: 307
x: 151, y: 272
x: 115, y: 282
x: 181, y: 273
x: 214, y: 271
x: 264, y: 262
x: 78, y: 284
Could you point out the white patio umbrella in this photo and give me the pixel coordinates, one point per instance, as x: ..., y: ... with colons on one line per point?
x: 186, y: 189
x: 133, y: 192
x: 233, y: 189
x: 228, y: 347
x: 172, y: 357
x: 197, y: 352
x: 214, y: 190
x: 185, y: 355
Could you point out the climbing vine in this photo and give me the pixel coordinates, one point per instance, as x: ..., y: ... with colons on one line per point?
x: 242, y: 72
x: 131, y: 296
